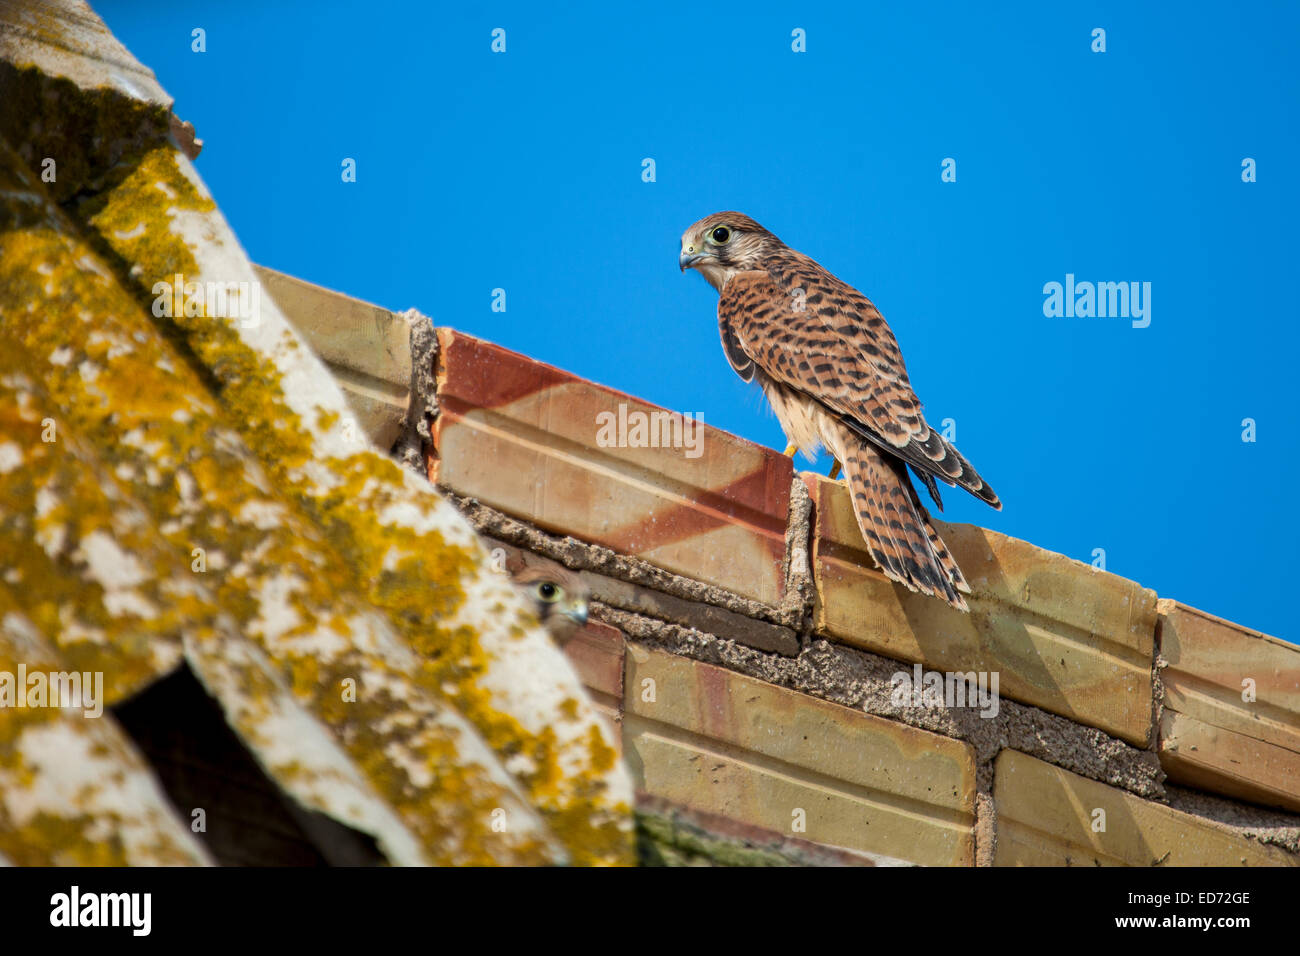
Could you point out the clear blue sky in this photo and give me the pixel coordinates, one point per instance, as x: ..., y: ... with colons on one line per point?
x: 523, y: 171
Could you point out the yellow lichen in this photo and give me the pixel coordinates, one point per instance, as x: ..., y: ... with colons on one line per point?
x: 41, y: 542
x: 89, y: 828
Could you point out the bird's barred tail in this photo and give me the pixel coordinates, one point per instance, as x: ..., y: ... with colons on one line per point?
x: 896, y: 526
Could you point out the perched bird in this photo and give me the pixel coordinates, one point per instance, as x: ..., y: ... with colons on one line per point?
x: 558, y: 595
x: 832, y: 371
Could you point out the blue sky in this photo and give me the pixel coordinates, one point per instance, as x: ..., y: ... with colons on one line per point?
x: 523, y: 171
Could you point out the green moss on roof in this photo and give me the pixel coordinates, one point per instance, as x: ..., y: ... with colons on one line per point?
x: 662, y: 841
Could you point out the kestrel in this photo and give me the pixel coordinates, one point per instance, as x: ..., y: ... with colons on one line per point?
x: 558, y: 595
x: 832, y: 371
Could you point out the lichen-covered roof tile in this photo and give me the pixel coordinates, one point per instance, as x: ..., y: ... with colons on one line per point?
x: 115, y: 383
x: 73, y: 790
x: 351, y: 594
x: 419, y: 558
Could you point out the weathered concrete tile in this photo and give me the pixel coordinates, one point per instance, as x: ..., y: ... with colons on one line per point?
x: 63, y: 74
x: 541, y: 444
x: 1232, y: 708
x: 367, y: 349
x: 73, y: 44
x: 1047, y: 816
x: 717, y: 741
x: 1061, y: 635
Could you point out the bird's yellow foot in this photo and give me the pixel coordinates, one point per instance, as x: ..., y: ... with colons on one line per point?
x: 835, y: 470
x: 790, y: 451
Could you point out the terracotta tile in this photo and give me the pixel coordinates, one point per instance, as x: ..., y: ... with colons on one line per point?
x: 525, y: 438
x: 596, y: 652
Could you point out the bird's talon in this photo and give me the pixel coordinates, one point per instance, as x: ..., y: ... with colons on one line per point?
x: 835, y: 470
x: 790, y: 451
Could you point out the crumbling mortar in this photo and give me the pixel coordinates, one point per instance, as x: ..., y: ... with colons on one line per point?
x: 797, y: 607
x: 1158, y: 664
x: 986, y: 827
x: 416, y: 437
x: 1263, y: 825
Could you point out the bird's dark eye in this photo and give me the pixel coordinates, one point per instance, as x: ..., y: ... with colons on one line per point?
x: 548, y: 591
x: 721, y: 234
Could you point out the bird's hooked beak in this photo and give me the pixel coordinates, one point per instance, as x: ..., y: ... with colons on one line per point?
x: 690, y: 254
x: 575, y: 611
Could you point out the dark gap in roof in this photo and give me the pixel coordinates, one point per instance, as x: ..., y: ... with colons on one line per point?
x: 201, y: 763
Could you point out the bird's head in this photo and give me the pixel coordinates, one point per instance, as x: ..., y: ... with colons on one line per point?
x: 558, y: 596
x: 723, y: 244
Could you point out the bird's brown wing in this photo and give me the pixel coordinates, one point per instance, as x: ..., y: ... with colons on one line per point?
x: 820, y: 336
